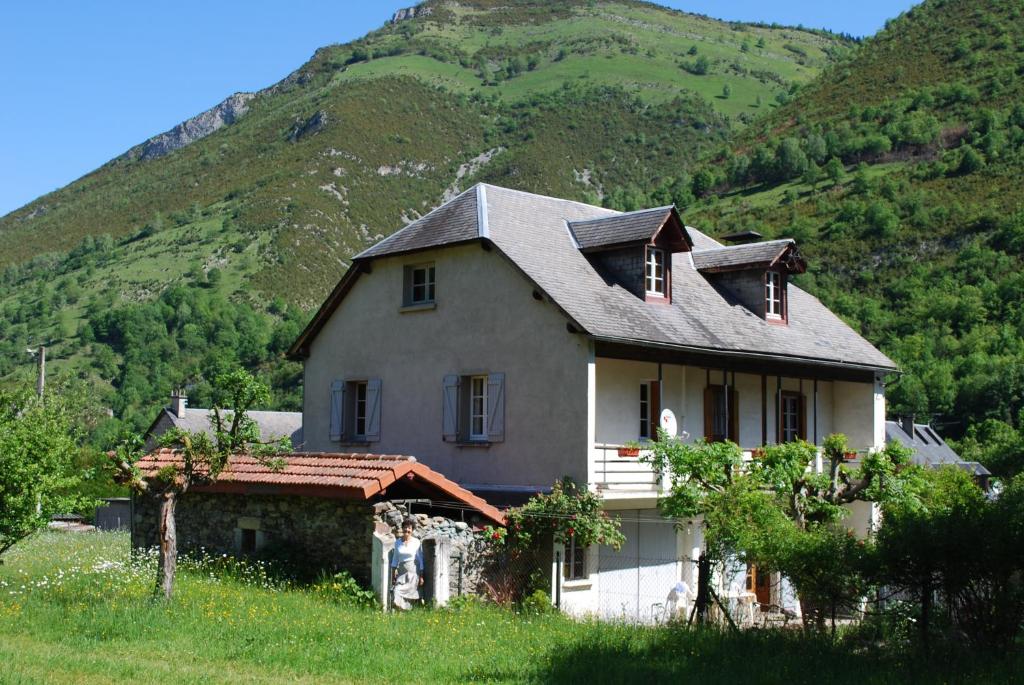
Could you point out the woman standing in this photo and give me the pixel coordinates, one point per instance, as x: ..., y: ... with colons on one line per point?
x: 407, y: 568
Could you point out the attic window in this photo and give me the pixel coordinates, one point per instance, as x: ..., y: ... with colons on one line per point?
x: 419, y: 284
x: 655, y: 273
x: 773, y: 296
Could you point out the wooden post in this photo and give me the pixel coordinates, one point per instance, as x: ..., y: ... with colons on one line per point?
x: 703, y: 587
x: 41, y: 380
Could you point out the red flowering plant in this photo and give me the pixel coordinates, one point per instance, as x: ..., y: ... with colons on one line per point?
x: 567, y: 511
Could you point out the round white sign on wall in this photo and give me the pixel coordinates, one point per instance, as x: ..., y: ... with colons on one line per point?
x: 668, y: 422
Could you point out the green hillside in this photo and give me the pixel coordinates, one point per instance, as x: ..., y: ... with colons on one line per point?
x: 899, y: 171
x: 146, y: 274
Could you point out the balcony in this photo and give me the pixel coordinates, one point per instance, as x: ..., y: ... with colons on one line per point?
x: 620, y: 475
x: 614, y: 474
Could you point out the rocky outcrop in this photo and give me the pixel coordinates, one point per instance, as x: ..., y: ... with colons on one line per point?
x: 410, y: 13
x: 311, y: 126
x: 191, y: 130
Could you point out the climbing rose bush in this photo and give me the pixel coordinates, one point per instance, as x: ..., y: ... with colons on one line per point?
x: 567, y: 511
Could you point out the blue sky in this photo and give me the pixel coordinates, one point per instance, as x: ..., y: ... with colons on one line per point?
x: 82, y: 82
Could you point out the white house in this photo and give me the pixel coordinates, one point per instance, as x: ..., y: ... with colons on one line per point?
x: 509, y: 339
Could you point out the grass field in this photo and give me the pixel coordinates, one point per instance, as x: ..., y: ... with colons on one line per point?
x: 74, y: 608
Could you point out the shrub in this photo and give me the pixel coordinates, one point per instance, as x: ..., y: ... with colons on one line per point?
x: 538, y: 602
x: 343, y: 589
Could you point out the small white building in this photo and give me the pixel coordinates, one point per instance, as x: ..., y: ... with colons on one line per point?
x: 509, y: 339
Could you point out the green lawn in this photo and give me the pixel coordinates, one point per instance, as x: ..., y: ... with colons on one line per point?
x: 74, y: 608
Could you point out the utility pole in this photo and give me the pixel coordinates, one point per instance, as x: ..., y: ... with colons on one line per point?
x: 41, y: 381
x: 40, y: 355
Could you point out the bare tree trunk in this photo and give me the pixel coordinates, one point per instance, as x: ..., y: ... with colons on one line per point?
x: 168, y: 546
x: 833, y: 607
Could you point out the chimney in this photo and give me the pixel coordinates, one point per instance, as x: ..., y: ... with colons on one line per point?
x: 178, y: 402
x: 907, y: 424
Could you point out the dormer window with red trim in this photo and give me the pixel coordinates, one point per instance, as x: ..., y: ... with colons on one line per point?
x: 634, y: 249
x: 774, y: 298
x: 655, y: 278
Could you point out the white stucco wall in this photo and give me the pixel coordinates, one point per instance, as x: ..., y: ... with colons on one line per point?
x: 618, y: 396
x: 486, y: 320
x: 859, y: 413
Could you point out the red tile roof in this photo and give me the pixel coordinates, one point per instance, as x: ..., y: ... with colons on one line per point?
x: 318, y: 474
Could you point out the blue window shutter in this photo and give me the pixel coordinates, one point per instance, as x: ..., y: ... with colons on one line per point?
x: 373, y: 409
x: 337, y: 410
x: 450, y: 409
x: 496, y: 407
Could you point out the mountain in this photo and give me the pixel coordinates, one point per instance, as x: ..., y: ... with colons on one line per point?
x: 210, y: 243
x: 899, y: 171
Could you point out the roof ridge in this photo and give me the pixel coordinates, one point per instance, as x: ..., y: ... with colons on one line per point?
x: 619, y: 215
x: 614, y: 212
x: 733, y: 247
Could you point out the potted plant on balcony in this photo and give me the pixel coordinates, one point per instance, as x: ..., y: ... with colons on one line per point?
x: 849, y: 456
x: 630, y: 449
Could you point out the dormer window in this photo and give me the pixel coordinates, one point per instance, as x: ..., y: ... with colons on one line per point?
x: 773, y: 301
x: 655, y: 274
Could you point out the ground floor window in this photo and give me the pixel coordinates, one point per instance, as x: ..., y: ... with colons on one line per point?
x: 575, y: 566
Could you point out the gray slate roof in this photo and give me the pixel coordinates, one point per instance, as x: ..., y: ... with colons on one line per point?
x: 620, y: 228
x: 453, y: 222
x: 751, y: 255
x: 273, y: 424
x: 929, y: 448
x: 532, y: 231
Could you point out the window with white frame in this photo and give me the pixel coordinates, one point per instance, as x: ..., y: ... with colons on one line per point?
x: 355, y: 410
x: 575, y: 565
x: 359, y: 410
x: 419, y: 284
x: 655, y: 272
x: 478, y: 407
x: 773, y: 295
x: 473, y: 409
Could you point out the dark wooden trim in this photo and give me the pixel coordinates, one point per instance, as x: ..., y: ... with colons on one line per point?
x: 778, y: 409
x: 815, y: 411
x: 764, y: 409
x: 738, y: 362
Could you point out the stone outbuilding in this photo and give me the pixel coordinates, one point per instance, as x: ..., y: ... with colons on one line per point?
x: 318, y: 510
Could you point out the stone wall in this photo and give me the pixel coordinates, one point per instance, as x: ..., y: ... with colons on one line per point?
x: 474, y: 567
x: 323, y: 533
x: 465, y: 559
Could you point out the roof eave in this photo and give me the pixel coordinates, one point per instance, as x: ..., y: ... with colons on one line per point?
x: 748, y: 354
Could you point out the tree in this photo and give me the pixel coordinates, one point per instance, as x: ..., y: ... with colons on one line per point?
x: 726, y: 91
x: 812, y: 174
x: 790, y: 159
x: 38, y: 443
x: 970, y: 160
x: 777, y: 511
x: 203, y: 457
x: 703, y: 182
x: 834, y: 170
